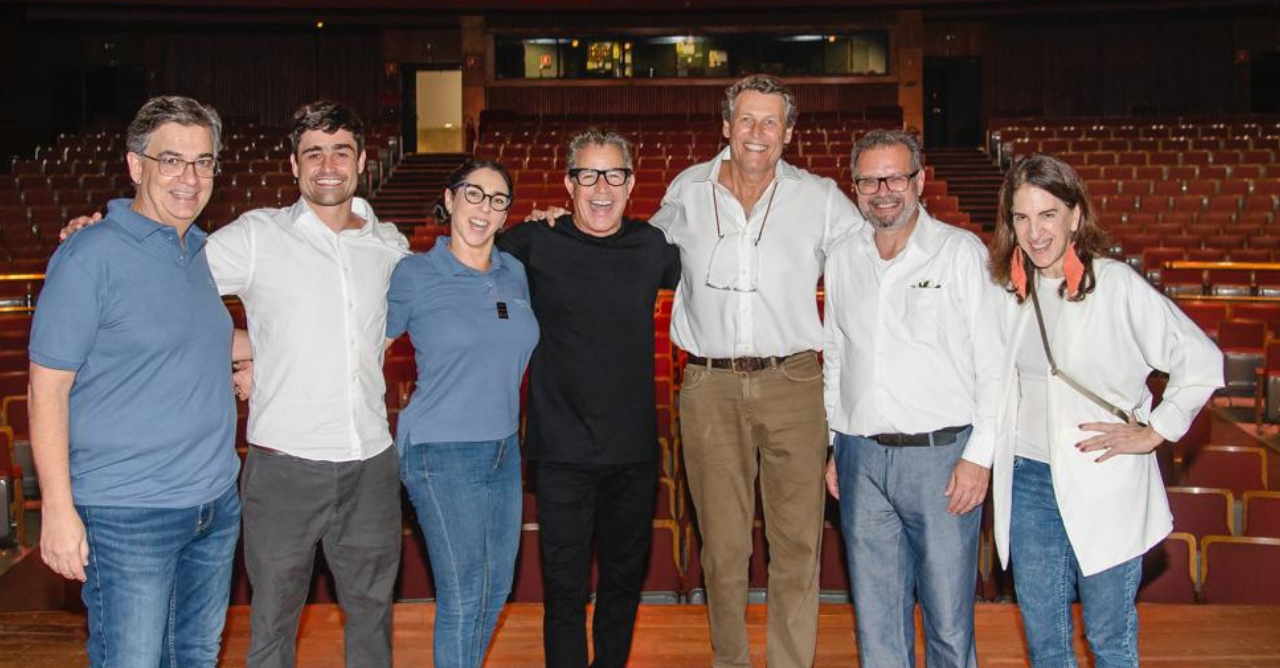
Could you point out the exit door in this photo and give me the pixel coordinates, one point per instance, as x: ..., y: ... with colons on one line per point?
x: 438, y: 108
x: 953, y: 102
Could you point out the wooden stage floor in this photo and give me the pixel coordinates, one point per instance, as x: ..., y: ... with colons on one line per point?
x: 675, y: 636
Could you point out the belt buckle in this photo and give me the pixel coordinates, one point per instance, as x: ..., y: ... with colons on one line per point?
x: 746, y: 364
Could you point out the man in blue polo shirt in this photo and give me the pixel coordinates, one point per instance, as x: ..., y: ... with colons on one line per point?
x: 132, y: 415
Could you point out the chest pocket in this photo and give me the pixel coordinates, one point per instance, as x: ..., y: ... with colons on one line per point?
x: 925, y: 314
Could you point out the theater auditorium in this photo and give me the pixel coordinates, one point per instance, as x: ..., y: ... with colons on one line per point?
x: 1167, y: 110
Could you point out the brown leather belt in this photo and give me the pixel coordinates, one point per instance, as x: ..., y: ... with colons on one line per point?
x: 944, y: 436
x: 740, y: 364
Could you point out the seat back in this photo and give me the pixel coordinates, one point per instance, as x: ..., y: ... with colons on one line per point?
x: 1239, y: 570
x: 1242, y: 342
x: 1262, y: 514
x: 1169, y: 571
x: 1202, y: 511
x: 1234, y: 467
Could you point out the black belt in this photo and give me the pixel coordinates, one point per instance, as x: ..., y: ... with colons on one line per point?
x: 740, y: 364
x: 944, y: 436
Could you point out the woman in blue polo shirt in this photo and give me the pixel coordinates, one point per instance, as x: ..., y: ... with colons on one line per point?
x: 466, y: 308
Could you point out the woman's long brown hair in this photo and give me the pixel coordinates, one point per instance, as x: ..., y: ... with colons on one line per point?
x: 1058, y: 179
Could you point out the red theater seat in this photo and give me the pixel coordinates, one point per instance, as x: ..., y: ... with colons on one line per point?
x: 1240, y: 570
x: 1169, y: 571
x: 1242, y: 343
x: 1237, y: 468
x: 1202, y: 511
x: 1205, y: 314
x: 1262, y: 514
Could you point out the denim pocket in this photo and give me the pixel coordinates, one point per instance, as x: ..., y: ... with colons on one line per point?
x: 500, y: 453
x: 413, y: 465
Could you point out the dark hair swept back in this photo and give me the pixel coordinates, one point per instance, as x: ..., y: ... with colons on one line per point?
x: 1058, y: 179
x: 459, y: 176
x: 328, y: 117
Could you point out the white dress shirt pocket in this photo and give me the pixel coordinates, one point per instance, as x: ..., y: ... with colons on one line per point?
x: 924, y: 316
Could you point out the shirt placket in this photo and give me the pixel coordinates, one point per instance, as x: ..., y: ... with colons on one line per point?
x: 744, y: 344
x: 352, y: 341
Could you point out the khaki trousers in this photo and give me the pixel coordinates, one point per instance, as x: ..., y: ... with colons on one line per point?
x: 735, y: 425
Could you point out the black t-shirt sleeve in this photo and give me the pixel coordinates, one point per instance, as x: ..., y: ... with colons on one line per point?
x: 516, y: 241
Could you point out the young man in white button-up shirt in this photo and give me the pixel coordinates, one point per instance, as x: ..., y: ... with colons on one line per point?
x: 321, y: 468
x: 753, y: 232
x: 911, y: 359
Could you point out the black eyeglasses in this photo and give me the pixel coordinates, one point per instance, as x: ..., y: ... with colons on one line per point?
x: 172, y: 165
x: 475, y: 194
x: 870, y: 185
x: 586, y: 176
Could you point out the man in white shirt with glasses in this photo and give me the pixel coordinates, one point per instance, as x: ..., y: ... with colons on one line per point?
x: 753, y: 232
x: 912, y: 360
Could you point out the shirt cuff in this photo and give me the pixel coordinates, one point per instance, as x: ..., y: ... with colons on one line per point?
x: 56, y: 363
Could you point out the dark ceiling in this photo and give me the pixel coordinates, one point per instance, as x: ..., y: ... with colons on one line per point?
x: 439, y: 12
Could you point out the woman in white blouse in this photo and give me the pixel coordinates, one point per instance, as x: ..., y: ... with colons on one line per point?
x: 1078, y: 496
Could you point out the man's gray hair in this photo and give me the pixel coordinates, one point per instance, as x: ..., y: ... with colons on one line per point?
x: 760, y: 83
x: 598, y: 137
x: 171, y: 109
x: 886, y: 138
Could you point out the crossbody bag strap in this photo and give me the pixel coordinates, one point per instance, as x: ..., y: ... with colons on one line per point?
x: 1055, y: 371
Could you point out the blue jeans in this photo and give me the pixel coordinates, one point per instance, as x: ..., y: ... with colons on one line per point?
x: 1046, y: 576
x: 905, y: 547
x: 468, y: 500
x: 158, y: 582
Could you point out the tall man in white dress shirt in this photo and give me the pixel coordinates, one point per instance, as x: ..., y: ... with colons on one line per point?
x: 753, y: 232
x: 911, y: 358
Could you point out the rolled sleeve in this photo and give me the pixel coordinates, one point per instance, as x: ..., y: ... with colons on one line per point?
x: 69, y: 314
x: 1172, y: 342
x: 230, y: 251
x: 670, y: 217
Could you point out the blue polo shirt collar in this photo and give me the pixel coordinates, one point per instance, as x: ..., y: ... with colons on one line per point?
x: 140, y: 227
x: 443, y: 260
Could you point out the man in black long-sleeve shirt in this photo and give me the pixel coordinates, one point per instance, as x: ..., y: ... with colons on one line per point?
x: 592, y: 427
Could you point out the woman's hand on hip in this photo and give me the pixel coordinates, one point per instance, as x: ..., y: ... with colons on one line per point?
x: 1130, y: 438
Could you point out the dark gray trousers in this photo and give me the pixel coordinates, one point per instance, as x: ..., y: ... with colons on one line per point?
x: 351, y: 508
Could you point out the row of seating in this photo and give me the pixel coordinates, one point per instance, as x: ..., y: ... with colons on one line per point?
x: 1209, y: 511
x: 554, y: 151
x: 1184, y: 173
x: 1149, y: 250
x: 1137, y: 128
x: 1159, y: 152
x: 1223, y: 569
